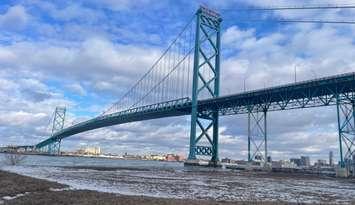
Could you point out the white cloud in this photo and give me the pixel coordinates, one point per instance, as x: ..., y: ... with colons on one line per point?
x: 104, y: 64
x: 77, y: 88
x: 15, y: 18
x: 21, y: 118
x: 233, y: 35
x: 119, y: 5
x: 77, y: 13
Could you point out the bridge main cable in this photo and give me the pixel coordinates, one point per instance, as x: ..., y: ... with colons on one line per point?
x: 167, y: 79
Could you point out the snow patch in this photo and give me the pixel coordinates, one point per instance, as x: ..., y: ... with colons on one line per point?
x: 7, y: 198
x: 60, y: 189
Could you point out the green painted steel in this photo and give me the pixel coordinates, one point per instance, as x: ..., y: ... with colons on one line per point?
x: 205, y: 84
x: 265, y: 136
x: 59, y: 119
x: 176, y: 107
x: 346, y: 127
x: 53, y: 147
x: 306, y: 94
x: 257, y: 136
x: 340, y: 134
x: 249, y: 137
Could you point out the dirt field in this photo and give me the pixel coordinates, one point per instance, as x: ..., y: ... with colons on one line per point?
x: 35, y: 191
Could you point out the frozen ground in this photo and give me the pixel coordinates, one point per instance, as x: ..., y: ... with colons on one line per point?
x: 197, y: 184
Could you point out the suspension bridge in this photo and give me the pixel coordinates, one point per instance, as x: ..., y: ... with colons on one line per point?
x: 185, y: 80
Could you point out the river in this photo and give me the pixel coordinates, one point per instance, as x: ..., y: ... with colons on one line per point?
x: 173, y: 180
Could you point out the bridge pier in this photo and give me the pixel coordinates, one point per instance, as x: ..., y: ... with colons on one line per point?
x: 54, y: 148
x: 205, y: 84
x: 257, y: 136
x: 346, y: 128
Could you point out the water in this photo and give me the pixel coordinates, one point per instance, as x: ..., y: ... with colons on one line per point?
x: 173, y: 180
x: 54, y: 161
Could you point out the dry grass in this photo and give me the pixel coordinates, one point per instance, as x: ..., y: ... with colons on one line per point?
x: 12, y: 184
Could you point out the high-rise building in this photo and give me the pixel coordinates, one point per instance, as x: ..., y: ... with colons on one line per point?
x: 331, y: 159
x: 305, y: 161
x: 296, y: 161
x: 321, y: 162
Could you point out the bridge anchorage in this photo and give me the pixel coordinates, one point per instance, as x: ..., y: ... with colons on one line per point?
x: 168, y: 89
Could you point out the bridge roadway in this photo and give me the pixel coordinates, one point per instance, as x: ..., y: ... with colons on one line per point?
x: 311, y: 93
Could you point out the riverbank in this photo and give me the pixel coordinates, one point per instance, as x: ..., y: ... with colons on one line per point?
x: 18, y: 189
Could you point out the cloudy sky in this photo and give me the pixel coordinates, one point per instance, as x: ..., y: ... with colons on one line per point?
x: 85, y: 54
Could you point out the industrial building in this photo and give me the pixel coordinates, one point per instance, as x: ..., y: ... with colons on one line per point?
x: 89, y: 151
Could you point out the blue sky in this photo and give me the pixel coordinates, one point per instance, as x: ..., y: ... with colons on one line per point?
x: 86, y: 54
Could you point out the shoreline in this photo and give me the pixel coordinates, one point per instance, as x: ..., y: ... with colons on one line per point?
x: 89, y: 156
x: 19, y: 189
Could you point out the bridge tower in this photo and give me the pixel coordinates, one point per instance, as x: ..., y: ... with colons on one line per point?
x: 346, y: 127
x: 58, y: 124
x: 206, y: 72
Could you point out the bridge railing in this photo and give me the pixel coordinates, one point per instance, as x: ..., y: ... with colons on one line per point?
x: 288, y: 85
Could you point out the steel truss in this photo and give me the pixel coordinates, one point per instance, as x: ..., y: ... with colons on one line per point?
x: 58, y: 124
x: 346, y: 127
x: 257, y: 136
x: 306, y: 94
x: 206, y: 71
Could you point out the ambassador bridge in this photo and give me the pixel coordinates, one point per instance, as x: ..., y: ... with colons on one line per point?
x: 185, y: 80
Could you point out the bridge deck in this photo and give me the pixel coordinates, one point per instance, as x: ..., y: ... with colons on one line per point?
x: 312, y: 93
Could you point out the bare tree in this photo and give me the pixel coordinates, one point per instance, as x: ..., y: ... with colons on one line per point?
x: 14, y: 158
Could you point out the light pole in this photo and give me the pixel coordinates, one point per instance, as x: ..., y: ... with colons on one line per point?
x: 314, y: 73
x: 295, y: 73
x: 244, y: 82
x: 297, y: 65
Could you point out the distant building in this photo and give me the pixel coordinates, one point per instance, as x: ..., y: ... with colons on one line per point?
x: 171, y: 158
x: 305, y: 161
x: 331, y: 163
x: 155, y: 157
x: 241, y: 162
x: 89, y: 151
x: 321, y: 162
x: 296, y: 161
x: 174, y: 158
x: 130, y: 156
x: 226, y: 160
x: 283, y: 164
